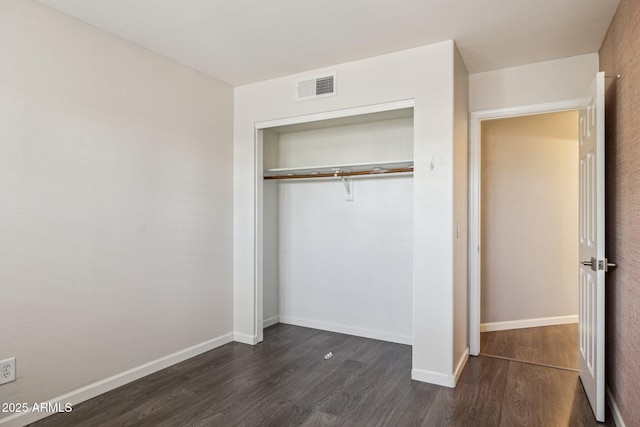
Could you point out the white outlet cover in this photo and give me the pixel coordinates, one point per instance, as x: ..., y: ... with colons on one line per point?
x: 7, y: 370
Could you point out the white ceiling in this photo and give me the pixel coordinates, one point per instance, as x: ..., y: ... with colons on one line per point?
x: 243, y: 41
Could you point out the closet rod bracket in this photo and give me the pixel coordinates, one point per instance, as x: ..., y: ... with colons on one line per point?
x: 348, y: 186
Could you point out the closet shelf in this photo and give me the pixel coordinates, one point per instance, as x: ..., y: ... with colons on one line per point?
x: 346, y: 170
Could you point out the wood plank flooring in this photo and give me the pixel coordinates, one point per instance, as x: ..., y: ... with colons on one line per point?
x: 285, y: 381
x: 555, y: 345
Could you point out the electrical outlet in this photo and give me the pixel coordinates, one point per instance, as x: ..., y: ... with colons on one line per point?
x: 7, y: 370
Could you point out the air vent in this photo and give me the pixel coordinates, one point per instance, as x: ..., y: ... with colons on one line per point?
x: 317, y: 87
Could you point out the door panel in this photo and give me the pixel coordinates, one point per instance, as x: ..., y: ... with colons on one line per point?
x: 591, y: 241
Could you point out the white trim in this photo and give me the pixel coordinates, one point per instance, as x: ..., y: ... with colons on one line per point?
x: 461, y: 364
x: 246, y: 339
x: 528, y: 323
x: 615, y: 411
x: 433, y: 378
x: 342, y: 329
x: 527, y: 110
x: 258, y: 239
x: 336, y: 114
x: 475, y: 203
x: 271, y: 321
x: 437, y: 378
x: 92, y: 390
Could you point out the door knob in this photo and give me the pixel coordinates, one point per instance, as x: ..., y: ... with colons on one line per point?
x: 593, y: 263
x: 596, y: 265
x: 607, y: 265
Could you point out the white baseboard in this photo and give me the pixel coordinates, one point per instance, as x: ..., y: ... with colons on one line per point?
x: 615, y: 411
x: 528, y: 323
x: 437, y: 378
x: 245, y: 339
x: 342, y: 329
x: 461, y: 364
x: 271, y: 321
x: 92, y: 390
x: 433, y: 378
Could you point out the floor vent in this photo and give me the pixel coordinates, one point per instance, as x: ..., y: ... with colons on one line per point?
x: 317, y: 87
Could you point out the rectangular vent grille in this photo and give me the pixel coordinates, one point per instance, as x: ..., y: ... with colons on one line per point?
x: 324, y: 85
x: 317, y: 87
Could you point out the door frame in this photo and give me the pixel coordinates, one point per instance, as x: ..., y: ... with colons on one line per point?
x: 474, y: 275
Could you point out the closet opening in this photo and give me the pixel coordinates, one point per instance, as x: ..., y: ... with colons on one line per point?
x: 335, y: 220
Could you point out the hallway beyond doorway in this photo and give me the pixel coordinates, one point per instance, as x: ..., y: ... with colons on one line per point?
x: 553, y: 346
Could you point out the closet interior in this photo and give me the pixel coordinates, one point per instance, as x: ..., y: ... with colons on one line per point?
x: 338, y: 225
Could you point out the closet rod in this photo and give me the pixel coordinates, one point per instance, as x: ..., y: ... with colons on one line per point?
x: 337, y: 174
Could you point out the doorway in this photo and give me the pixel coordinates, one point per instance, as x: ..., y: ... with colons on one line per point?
x: 523, y: 286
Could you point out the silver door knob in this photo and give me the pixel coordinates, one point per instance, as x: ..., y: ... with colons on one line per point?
x: 596, y: 264
x: 593, y: 263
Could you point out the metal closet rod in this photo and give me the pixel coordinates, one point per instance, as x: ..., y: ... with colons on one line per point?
x: 338, y: 174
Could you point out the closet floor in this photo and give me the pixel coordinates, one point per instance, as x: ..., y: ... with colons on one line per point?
x: 286, y: 381
x: 555, y: 346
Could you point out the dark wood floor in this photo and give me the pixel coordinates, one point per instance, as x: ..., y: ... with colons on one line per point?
x: 285, y: 381
x: 547, y: 345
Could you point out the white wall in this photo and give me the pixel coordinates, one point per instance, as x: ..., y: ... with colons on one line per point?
x: 424, y: 74
x: 116, y: 208
x: 370, y: 142
x: 346, y: 266
x: 538, y: 83
x: 529, y: 217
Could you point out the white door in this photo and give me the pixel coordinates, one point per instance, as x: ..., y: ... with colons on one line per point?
x: 593, y: 264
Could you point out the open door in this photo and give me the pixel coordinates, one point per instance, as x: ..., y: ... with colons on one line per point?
x: 593, y: 264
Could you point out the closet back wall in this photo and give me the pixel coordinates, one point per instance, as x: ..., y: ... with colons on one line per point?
x: 338, y: 265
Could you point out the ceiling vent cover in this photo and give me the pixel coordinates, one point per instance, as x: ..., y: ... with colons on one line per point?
x: 317, y: 87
